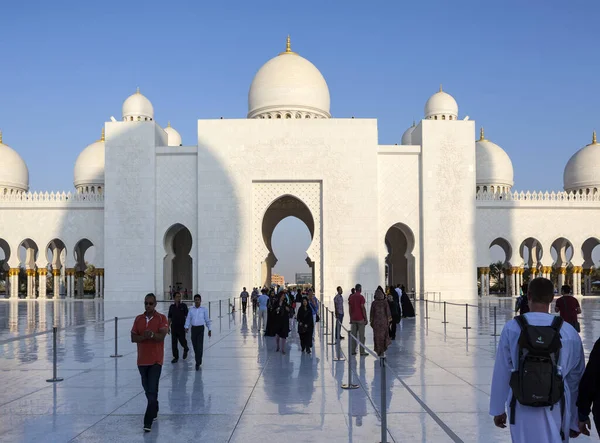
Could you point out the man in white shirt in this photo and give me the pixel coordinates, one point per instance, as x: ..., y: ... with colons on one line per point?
x: 197, y: 318
x: 263, y: 303
x: 537, y: 424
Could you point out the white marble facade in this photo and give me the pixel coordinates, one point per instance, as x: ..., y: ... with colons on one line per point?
x: 424, y: 212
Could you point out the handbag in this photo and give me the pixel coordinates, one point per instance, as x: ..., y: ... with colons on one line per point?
x: 318, y: 318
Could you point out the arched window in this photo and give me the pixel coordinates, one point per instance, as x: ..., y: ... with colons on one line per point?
x: 450, y: 117
x: 131, y: 119
x: 270, y: 116
x: 443, y: 117
x: 435, y: 118
x: 485, y: 189
x: 278, y: 116
x: 298, y: 115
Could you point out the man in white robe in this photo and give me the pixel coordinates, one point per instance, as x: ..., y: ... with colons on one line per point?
x: 542, y: 424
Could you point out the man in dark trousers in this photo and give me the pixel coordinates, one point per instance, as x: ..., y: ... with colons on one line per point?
x: 197, y: 319
x: 149, y: 331
x: 178, y: 312
x: 244, y: 296
x: 589, y: 393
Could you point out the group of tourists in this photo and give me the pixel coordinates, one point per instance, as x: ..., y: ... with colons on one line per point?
x: 541, y: 386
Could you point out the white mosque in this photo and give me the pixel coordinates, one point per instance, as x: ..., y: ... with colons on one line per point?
x: 424, y: 213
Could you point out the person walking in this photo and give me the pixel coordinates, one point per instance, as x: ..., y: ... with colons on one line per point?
x: 338, y: 304
x: 380, y: 318
x: 263, y: 305
x: 408, y: 310
x: 198, y: 320
x: 313, y: 304
x: 588, y: 399
x: 149, y: 331
x: 178, y: 312
x: 244, y: 297
x: 254, y: 299
x: 538, y: 367
x: 395, y: 311
x: 305, y: 325
x: 568, y: 307
x: 358, y: 318
x: 281, y: 314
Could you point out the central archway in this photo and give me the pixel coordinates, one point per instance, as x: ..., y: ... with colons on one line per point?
x: 178, y: 264
x: 284, y: 207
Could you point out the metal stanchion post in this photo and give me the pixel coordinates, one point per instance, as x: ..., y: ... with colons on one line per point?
x: 220, y: 312
x: 383, y: 401
x: 208, y: 309
x: 116, y: 354
x: 349, y: 385
x: 467, y: 317
x: 444, y: 313
x: 54, y: 357
x: 426, y: 309
x: 333, y: 329
x: 495, y: 334
x: 326, y: 331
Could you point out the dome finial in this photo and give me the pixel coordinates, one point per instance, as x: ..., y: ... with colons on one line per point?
x: 414, y: 124
x: 594, y: 142
x: 102, y: 135
x: 137, y: 91
x: 441, y: 90
x: 288, y: 46
x: 481, y: 134
x: 0, y: 136
x: 169, y: 124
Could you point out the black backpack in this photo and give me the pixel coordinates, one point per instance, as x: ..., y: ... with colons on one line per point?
x: 537, y: 382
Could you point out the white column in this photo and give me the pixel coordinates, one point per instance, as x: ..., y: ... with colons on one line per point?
x: 14, y: 283
x: 28, y: 272
x: 56, y: 282
x: 43, y: 276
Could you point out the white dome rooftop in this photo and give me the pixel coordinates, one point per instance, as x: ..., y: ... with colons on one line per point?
x: 583, y: 168
x: 441, y: 105
x: 493, y: 165
x: 89, y: 166
x: 407, y: 136
x: 173, y: 137
x: 137, y: 108
x: 14, y: 174
x: 288, y: 86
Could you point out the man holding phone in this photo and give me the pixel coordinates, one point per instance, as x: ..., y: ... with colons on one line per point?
x: 149, y: 331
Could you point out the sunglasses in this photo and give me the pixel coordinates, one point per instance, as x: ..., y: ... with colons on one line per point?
x: 149, y: 303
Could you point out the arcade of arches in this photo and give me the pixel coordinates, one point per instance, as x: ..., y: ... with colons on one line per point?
x: 562, y: 261
x: 43, y: 273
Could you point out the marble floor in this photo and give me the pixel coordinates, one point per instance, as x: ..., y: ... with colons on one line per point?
x: 437, y: 379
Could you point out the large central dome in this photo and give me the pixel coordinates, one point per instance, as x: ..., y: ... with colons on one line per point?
x: 288, y: 86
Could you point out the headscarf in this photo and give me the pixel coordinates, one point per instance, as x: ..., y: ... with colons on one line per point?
x: 379, y: 295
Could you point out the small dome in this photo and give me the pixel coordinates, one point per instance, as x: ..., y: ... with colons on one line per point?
x: 89, y: 166
x: 173, y: 137
x: 288, y: 86
x: 137, y: 108
x: 407, y: 136
x: 14, y: 175
x: 441, y: 105
x: 493, y: 165
x: 582, y: 172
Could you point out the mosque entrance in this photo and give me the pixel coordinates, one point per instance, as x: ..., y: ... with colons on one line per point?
x: 280, y: 209
x: 178, y: 264
x: 400, y: 261
x: 273, y: 202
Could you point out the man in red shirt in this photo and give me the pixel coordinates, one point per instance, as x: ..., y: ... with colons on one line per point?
x: 568, y: 307
x: 149, y: 331
x: 358, y: 318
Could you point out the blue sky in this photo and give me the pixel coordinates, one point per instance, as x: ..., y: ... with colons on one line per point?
x: 527, y: 70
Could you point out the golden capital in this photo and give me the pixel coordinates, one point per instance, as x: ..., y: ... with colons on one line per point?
x: 562, y: 271
x: 43, y: 271
x: 14, y: 271
x: 56, y: 272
